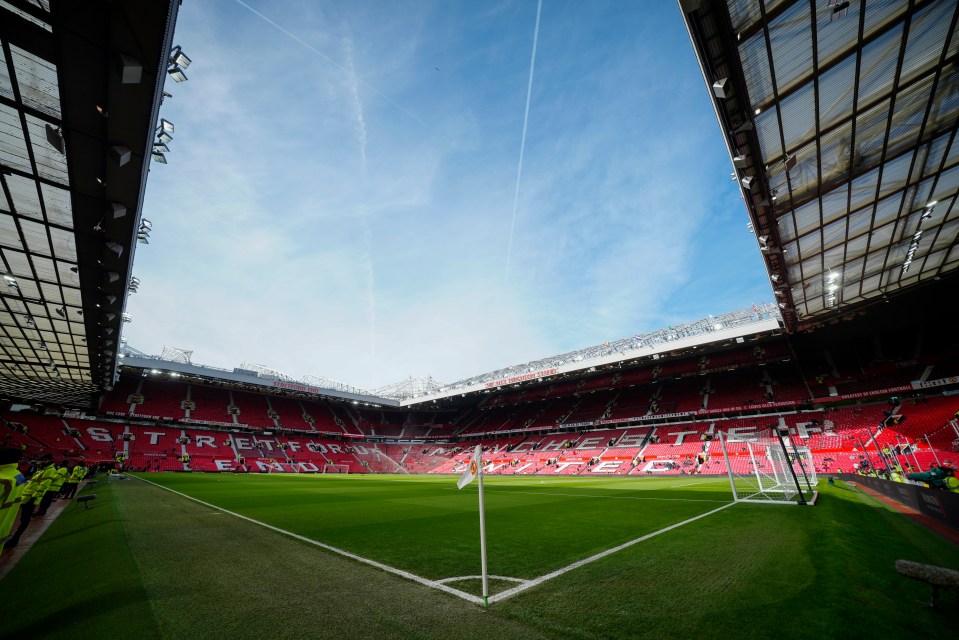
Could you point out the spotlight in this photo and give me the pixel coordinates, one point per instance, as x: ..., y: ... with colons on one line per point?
x: 719, y: 88
x: 130, y: 70
x: 177, y: 73
x: 55, y: 138
x: 178, y: 58
x: 117, y: 210
x: 120, y: 154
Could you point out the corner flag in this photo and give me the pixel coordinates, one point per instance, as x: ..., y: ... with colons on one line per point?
x: 472, y: 469
x: 475, y: 470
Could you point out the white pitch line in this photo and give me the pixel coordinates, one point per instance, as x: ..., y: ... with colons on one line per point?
x: 693, y: 484
x: 459, y: 578
x: 379, y: 565
x: 555, y: 574
x: 440, y: 584
x: 590, y: 495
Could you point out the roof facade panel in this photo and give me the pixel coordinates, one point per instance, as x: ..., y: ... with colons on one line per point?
x: 790, y: 40
x: 13, y: 148
x: 837, y: 89
x: 927, y: 37
x: 24, y: 193
x: 37, y: 81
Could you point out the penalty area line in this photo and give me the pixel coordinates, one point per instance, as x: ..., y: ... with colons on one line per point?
x: 373, y: 563
x: 602, y: 554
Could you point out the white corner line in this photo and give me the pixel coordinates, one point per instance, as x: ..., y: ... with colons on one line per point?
x: 373, y: 563
x: 602, y: 554
x: 440, y: 584
x: 459, y: 578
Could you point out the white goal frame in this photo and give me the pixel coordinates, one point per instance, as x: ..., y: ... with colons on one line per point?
x: 778, y: 473
x: 336, y: 468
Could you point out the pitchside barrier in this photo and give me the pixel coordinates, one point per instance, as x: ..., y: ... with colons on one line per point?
x: 935, y: 503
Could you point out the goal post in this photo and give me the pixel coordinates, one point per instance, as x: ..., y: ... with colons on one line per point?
x: 336, y: 468
x: 769, y: 471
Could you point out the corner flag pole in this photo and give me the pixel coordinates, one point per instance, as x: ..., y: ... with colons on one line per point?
x: 482, y: 514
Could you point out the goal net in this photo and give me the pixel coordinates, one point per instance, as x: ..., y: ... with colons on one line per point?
x: 770, y: 471
x: 336, y: 468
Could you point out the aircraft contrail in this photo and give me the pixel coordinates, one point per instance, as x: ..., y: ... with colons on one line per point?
x: 522, y: 144
x: 331, y: 61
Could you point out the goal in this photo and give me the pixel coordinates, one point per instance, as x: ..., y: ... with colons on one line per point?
x: 336, y: 468
x: 769, y: 471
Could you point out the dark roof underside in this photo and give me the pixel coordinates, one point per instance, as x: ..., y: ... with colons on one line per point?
x: 846, y: 115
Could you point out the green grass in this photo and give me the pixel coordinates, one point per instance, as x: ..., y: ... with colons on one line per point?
x: 533, y: 526
x: 164, y: 566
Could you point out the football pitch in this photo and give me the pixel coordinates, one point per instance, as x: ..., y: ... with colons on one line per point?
x: 330, y: 556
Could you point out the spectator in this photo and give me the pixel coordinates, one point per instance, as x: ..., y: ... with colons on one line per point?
x: 11, y: 488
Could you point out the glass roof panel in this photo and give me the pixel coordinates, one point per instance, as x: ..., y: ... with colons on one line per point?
x: 37, y: 81
x: 790, y: 39
x: 927, y: 36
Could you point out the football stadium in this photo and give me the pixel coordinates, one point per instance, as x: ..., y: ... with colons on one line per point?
x: 783, y: 469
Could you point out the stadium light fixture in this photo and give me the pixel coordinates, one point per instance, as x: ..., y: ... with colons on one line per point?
x: 165, y: 125
x: 719, y: 88
x: 163, y: 137
x: 177, y: 73
x: 159, y: 147
x: 158, y: 157
x: 178, y: 58
x: 126, y: 317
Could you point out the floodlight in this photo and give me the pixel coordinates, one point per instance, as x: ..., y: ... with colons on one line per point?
x: 126, y: 317
x: 115, y: 248
x: 131, y: 70
x: 117, y: 210
x: 164, y: 137
x: 166, y: 125
x: 120, y: 154
x: 763, y: 240
x: 739, y: 162
x: 55, y: 138
x: 113, y: 276
x: 177, y: 73
x: 747, y: 183
x: 158, y: 157
x: 178, y: 58
x: 159, y: 147
x: 774, y: 277
x: 719, y: 88
x: 144, y: 223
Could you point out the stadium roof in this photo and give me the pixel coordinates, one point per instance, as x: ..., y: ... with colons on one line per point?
x: 733, y: 326
x: 840, y: 119
x: 80, y: 90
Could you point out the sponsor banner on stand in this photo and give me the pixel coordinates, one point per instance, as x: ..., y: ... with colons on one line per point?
x: 521, y: 378
x: 865, y: 394
x: 941, y: 382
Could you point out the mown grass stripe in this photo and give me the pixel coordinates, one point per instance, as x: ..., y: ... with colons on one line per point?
x: 379, y: 565
x: 575, y: 565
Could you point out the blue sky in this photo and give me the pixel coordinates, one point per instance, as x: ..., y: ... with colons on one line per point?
x: 339, y: 197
